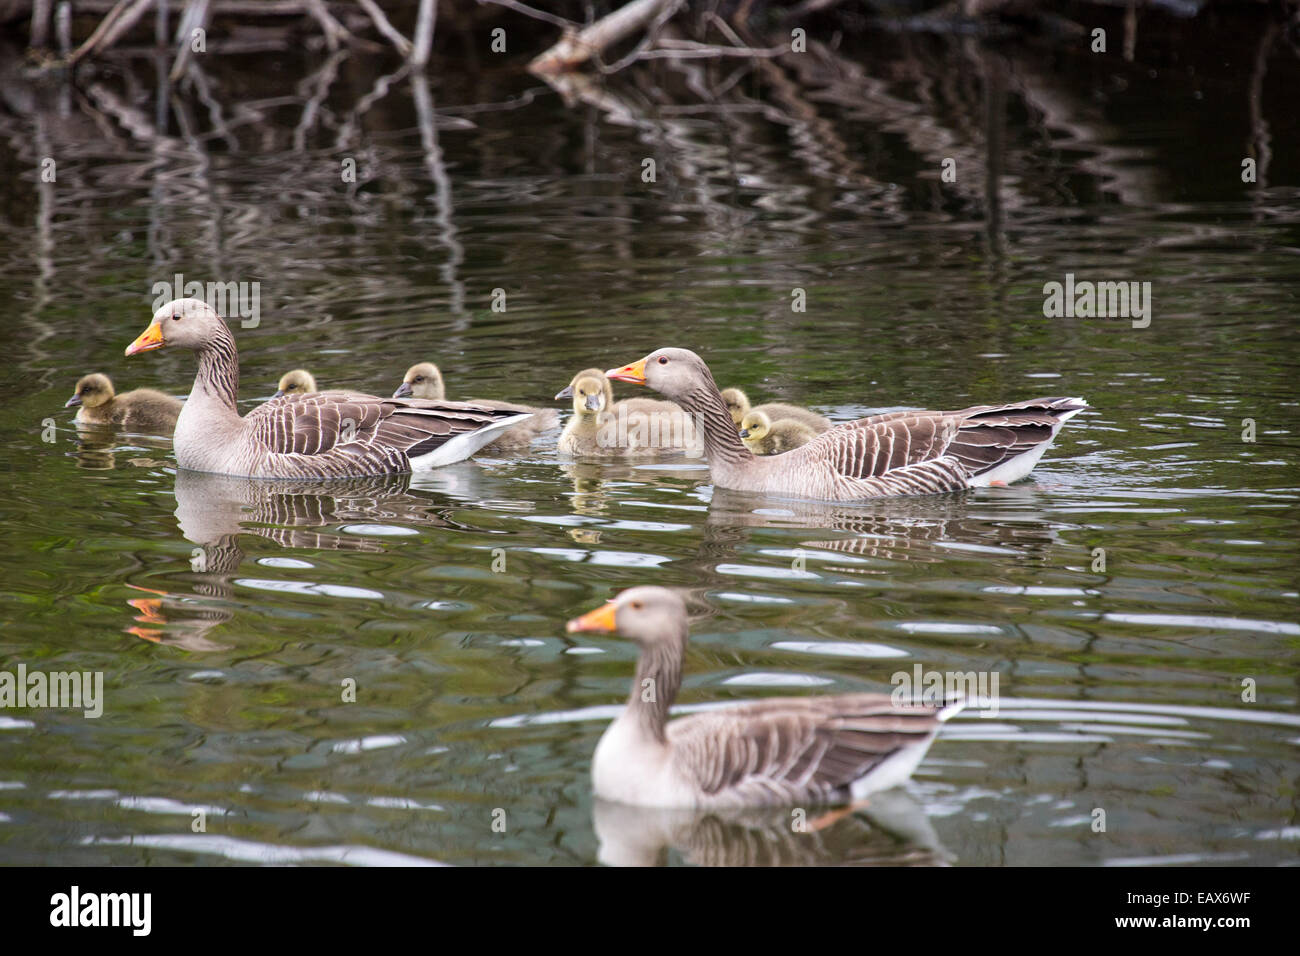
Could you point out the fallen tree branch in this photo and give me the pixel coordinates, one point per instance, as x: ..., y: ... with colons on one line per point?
x: 386, y: 28
x: 118, y: 20
x: 194, y: 18
x: 335, y: 32
x: 576, y: 48
x: 527, y: 11
x: 424, y: 22
x: 689, y: 49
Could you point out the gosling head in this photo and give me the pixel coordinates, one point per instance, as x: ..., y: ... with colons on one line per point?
x: 648, y: 615
x: 590, y: 391
x: 422, y: 381
x: 297, y: 382
x: 737, y: 403
x: 754, y: 427
x: 92, y: 391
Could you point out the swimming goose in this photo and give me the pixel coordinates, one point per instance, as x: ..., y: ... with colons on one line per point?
x: 324, y: 435
x: 763, y: 436
x: 738, y: 405
x: 901, y: 453
x: 632, y: 428
x: 298, y: 382
x: 779, y: 750
x: 424, y: 380
x: 142, y: 409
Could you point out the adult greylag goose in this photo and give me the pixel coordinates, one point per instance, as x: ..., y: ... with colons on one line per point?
x: 632, y: 428
x: 763, y: 436
x: 901, y: 453
x: 142, y: 409
x: 738, y: 405
x: 424, y: 380
x: 782, y: 750
x: 323, y: 435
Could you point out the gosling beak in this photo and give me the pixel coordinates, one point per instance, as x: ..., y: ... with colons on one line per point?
x: 634, y: 373
x: 566, y: 392
x: 279, y: 393
x: 592, y: 402
x: 73, y: 402
x: 403, y: 391
x: 601, y: 619
x: 744, y: 433
x: 150, y: 339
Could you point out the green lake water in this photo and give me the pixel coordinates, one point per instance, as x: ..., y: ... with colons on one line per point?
x: 226, y: 616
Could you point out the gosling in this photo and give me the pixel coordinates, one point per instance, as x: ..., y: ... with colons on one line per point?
x: 298, y: 382
x: 632, y: 428
x: 738, y: 404
x: 424, y: 380
x: 141, y: 410
x: 763, y: 436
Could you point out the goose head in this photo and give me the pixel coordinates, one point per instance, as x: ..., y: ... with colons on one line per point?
x: 91, y: 391
x: 737, y: 403
x: 186, y: 323
x: 297, y: 382
x: 754, y: 428
x: 650, y: 616
x: 674, y: 373
x: 590, y: 391
x: 422, y: 381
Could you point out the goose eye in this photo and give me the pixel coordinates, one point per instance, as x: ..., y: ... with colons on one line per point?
x: 636, y: 605
x: 176, y: 317
x: 663, y: 360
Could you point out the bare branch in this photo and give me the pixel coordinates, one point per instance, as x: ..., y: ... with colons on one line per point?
x: 576, y: 48
x: 424, y: 22
x: 542, y: 15
x: 386, y: 28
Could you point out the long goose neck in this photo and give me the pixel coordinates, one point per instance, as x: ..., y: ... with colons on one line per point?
x: 722, y: 444
x: 658, y: 678
x: 218, y: 377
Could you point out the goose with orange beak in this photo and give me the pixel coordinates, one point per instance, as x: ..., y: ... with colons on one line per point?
x: 332, y: 434
x: 901, y: 453
x: 770, y: 752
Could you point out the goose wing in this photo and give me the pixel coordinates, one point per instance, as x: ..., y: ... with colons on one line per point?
x: 361, y: 434
x: 873, y: 447
x: 938, y: 450
x: 989, y: 435
x: 791, y: 748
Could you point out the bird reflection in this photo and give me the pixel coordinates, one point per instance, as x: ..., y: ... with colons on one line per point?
x: 895, y: 529
x: 596, y: 482
x: 889, y: 829
x: 98, y: 446
x: 214, y: 510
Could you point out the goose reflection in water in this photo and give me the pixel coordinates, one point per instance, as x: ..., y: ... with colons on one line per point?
x: 212, y: 511
x: 99, y: 445
x: 900, y: 529
x: 889, y: 829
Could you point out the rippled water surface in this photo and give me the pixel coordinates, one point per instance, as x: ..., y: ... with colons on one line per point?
x: 227, y: 615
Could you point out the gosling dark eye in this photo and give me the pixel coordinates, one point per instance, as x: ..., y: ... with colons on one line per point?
x: 418, y: 379
x: 663, y: 360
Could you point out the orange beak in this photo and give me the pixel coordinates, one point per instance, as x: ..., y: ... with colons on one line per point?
x: 150, y: 610
x: 634, y: 373
x: 601, y: 619
x: 150, y: 339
